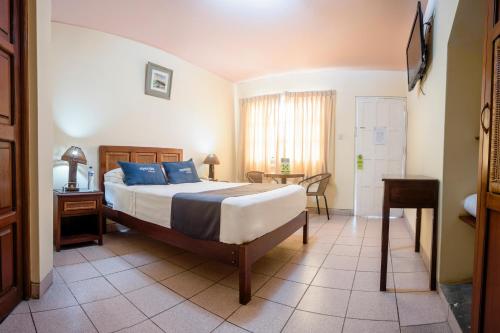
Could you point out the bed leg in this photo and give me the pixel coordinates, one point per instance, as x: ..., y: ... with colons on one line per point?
x: 305, y: 230
x: 245, y: 268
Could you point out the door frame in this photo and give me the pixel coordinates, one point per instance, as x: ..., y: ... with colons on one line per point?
x: 404, y: 99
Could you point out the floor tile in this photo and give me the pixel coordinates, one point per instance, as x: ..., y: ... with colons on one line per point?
x: 113, y: 314
x: 333, y: 278
x: 325, y: 301
x: 349, y: 240
x: 341, y: 262
x: 318, y: 247
x: 111, y: 265
x: 370, y: 281
x: 281, y: 254
x: 346, y: 250
x: 261, y: 316
x: 407, y: 265
x: 153, y: 299
x: 213, y: 270
x: 161, y: 270
x: 257, y: 281
x: 96, y: 252
x: 200, y: 320
x: 72, y: 273
x: 57, y: 296
x: 227, y: 327
x: 420, y: 308
x: 405, y: 252
x: 370, y: 252
x: 218, y: 299
x: 370, y: 326
x: 267, y: 266
x: 187, y: 260
x: 429, y: 328
x: 129, y: 280
x: 71, y: 319
x: 308, y: 259
x: 22, y: 307
x: 372, y: 305
x: 137, y: 259
x: 366, y: 264
x: 282, y: 291
x: 187, y: 284
x: 417, y: 281
x: 18, y: 323
x: 297, y: 273
x: 145, y: 327
x: 68, y: 257
x: 56, y: 277
x: 92, y: 290
x: 312, y: 322
x: 371, y: 241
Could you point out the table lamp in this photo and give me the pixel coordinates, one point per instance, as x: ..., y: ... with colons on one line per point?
x: 211, y: 160
x: 73, y: 155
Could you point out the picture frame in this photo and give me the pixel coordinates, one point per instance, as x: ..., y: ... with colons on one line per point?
x: 158, y: 81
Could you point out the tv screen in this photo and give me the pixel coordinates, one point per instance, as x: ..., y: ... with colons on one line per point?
x: 415, y: 51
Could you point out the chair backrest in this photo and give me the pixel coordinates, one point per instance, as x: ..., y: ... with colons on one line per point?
x: 255, y: 176
x: 321, y: 179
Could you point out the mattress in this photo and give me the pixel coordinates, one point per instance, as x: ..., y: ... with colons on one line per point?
x: 470, y: 204
x: 243, y: 218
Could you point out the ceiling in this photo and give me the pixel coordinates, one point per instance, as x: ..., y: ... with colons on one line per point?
x: 242, y: 39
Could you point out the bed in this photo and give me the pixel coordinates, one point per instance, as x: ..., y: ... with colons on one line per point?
x: 250, y: 225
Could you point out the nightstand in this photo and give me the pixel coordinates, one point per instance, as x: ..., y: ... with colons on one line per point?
x: 77, y: 217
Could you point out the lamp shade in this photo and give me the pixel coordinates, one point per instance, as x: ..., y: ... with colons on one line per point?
x: 211, y: 159
x: 74, y: 154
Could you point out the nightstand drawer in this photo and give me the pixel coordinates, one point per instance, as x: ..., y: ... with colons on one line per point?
x: 71, y: 206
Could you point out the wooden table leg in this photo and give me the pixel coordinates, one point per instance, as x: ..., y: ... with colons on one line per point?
x: 245, y: 268
x: 432, y: 284
x: 385, y: 244
x: 305, y: 230
x: 283, y: 180
x: 418, y: 225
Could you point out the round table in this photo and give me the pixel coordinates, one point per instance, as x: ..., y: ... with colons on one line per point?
x: 284, y: 176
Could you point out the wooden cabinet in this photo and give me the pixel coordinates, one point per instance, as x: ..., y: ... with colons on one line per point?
x: 77, y: 218
x: 486, y: 280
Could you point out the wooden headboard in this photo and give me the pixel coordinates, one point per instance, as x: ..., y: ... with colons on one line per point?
x: 109, y: 156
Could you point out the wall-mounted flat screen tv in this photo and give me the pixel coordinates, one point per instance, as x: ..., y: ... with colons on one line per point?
x: 415, y: 51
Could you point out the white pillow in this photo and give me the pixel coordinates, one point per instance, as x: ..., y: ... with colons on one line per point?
x: 470, y: 204
x: 114, y: 176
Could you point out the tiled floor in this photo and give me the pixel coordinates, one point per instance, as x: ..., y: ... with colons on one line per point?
x: 135, y: 284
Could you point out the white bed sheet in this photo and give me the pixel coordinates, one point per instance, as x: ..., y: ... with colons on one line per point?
x: 243, y: 218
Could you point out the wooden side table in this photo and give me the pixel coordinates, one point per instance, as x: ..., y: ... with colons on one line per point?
x: 77, y: 217
x: 283, y: 176
x: 410, y: 192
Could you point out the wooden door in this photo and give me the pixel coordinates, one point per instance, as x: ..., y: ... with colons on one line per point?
x: 11, y: 231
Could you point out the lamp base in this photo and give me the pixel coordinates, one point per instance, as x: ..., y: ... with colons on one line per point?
x: 211, y: 173
x: 71, y: 187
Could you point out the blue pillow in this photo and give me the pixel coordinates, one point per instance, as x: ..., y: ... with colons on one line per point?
x: 181, y: 172
x: 142, y: 174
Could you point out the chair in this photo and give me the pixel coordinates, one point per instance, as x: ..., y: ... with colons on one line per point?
x: 316, y: 186
x: 255, y: 176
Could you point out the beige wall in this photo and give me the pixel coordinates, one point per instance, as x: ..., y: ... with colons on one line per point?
x: 348, y: 84
x: 99, y: 100
x: 41, y: 143
x: 442, y: 126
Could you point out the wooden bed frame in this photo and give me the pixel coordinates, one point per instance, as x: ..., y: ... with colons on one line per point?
x: 241, y: 256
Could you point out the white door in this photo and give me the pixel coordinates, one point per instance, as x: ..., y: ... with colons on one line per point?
x: 380, y: 150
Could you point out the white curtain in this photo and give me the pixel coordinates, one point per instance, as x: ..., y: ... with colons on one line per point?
x: 290, y: 125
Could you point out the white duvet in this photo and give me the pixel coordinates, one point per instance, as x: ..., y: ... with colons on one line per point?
x: 243, y: 218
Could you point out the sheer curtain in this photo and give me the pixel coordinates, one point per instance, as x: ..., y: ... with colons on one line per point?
x: 295, y: 125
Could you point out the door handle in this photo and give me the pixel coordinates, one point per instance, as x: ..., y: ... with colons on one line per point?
x: 486, y: 129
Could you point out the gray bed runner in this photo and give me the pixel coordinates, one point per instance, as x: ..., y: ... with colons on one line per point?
x: 198, y: 214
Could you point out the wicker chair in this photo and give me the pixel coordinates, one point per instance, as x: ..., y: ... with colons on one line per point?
x: 255, y: 176
x: 316, y: 187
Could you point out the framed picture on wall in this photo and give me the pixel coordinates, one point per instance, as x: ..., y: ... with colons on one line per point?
x: 158, y: 81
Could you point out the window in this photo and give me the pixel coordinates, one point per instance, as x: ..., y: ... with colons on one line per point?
x: 290, y: 125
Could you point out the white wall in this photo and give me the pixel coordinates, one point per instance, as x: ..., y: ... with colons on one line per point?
x: 99, y: 100
x: 348, y: 84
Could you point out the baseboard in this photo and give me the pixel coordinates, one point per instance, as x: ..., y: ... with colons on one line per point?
x: 332, y: 211
x: 38, y: 289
